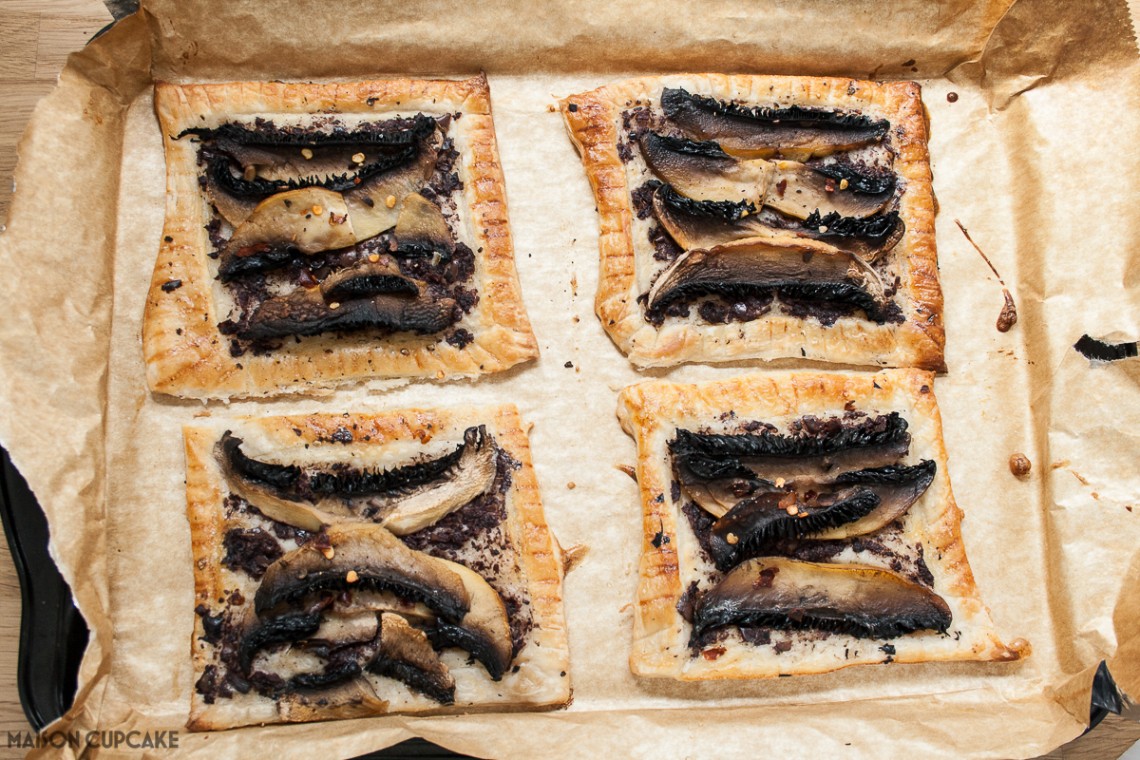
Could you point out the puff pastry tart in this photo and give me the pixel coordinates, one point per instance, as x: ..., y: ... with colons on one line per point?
x: 763, y: 217
x: 353, y: 565
x: 322, y: 233
x: 799, y: 523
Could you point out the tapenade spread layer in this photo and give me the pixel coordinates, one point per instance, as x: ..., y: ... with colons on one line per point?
x: 763, y: 217
x: 321, y: 233
x: 353, y: 565
x: 798, y: 524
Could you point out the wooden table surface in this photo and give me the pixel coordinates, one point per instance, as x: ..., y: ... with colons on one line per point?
x: 35, y: 38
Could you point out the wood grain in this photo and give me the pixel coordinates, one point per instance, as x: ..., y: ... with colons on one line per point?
x: 35, y: 39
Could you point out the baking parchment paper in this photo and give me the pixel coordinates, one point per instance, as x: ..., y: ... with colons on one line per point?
x: 1036, y: 156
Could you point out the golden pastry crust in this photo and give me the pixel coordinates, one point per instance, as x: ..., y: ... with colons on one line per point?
x: 653, y: 411
x: 185, y: 353
x: 594, y: 120
x: 538, y: 677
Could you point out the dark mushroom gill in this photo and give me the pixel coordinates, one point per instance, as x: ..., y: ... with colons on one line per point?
x: 820, y: 447
x: 794, y: 132
x: 857, y: 600
x: 404, y: 498
x: 363, y: 556
x: 745, y: 528
x: 765, y: 265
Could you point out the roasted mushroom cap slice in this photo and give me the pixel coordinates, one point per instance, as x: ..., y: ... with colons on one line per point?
x: 404, y: 499
x: 305, y: 312
x: 692, y: 229
x: 421, y: 229
x: 875, y: 442
x: 375, y: 205
x: 745, y: 528
x: 867, y: 238
x: 406, y: 654
x: 308, y: 220
x: 720, y: 494
x: 704, y: 172
x: 421, y: 504
x: 798, y: 191
x: 363, y: 556
x: 898, y: 487
x: 370, y: 600
x: 369, y: 278
x: 857, y: 600
x: 245, y: 165
x: 793, y: 132
x: 285, y: 628
x: 345, y: 645
x: 765, y: 265
x: 485, y: 631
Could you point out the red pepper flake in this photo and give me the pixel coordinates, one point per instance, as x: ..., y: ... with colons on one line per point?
x: 714, y: 653
x: 306, y: 280
x: 781, y: 186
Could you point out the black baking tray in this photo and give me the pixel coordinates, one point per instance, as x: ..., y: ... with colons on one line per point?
x: 53, y: 633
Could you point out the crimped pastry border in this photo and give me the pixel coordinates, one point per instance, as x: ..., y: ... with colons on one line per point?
x: 542, y: 679
x: 184, y: 351
x: 652, y: 411
x: 592, y: 121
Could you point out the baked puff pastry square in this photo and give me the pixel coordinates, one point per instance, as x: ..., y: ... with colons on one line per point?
x: 798, y: 524
x: 361, y: 564
x: 322, y: 233
x: 763, y: 217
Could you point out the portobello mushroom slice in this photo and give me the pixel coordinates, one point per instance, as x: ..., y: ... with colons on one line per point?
x: 867, y: 238
x: 286, y: 628
x: 406, y: 655
x: 875, y: 442
x: 745, y: 528
x: 857, y: 600
x: 798, y: 191
x: 369, y: 278
x: 246, y: 164
x: 374, y: 206
x: 403, y: 499
x: 692, y: 229
x: 370, y: 600
x: 703, y: 172
x: 897, y: 486
x: 305, y: 312
x: 362, y: 556
x: 308, y: 220
x: 485, y: 630
x: 346, y: 646
x: 803, y: 268
x: 759, y: 132
x: 421, y: 229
